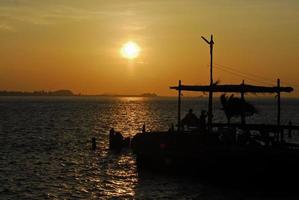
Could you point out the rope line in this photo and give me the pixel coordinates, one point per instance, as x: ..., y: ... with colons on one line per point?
x: 250, y: 76
x: 243, y: 76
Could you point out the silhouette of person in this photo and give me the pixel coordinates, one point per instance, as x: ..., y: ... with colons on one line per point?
x: 190, y: 119
x: 202, y: 120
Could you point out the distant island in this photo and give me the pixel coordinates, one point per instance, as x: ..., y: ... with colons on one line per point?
x: 38, y: 93
x: 67, y: 93
x: 149, y: 95
x: 127, y: 95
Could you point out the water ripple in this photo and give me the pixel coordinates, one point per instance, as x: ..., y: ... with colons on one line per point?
x: 45, y: 149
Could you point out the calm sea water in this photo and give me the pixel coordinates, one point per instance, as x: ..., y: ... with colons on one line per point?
x: 45, y: 149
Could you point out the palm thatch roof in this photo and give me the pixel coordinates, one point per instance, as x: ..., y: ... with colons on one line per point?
x: 233, y: 88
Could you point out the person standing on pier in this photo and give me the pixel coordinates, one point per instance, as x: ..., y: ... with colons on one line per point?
x: 202, y: 121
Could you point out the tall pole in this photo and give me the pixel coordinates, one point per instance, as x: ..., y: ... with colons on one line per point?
x: 211, y: 61
x: 278, y: 111
x: 210, y: 111
x: 179, y: 106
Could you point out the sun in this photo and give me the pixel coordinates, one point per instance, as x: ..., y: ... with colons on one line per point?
x: 130, y: 50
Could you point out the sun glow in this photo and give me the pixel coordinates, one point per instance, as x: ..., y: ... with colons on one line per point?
x: 130, y: 50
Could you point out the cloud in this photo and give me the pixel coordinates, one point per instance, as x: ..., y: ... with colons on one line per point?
x: 13, y: 16
x: 130, y: 15
x: 39, y: 16
x: 6, y: 27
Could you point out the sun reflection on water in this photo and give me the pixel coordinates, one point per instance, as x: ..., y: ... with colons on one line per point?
x: 130, y: 99
x: 128, y: 114
x: 132, y: 113
x: 121, y: 176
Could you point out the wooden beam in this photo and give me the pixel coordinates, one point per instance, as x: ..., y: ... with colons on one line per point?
x: 233, y: 88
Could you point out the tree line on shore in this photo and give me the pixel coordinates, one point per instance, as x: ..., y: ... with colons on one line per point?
x: 38, y: 93
x: 66, y: 93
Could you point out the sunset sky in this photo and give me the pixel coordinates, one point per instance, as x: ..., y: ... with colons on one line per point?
x: 76, y: 44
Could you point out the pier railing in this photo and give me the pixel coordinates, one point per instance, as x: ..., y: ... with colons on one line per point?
x: 280, y: 130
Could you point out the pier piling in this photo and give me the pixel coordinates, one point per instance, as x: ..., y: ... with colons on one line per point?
x: 93, y: 144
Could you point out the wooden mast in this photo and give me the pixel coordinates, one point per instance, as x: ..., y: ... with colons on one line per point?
x: 210, y: 111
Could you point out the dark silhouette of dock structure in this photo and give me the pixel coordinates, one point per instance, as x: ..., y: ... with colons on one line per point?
x: 223, y: 149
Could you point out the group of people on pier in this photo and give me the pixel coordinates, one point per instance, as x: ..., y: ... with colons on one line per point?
x: 264, y: 135
x: 191, y: 120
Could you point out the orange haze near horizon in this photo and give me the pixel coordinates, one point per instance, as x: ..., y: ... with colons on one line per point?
x: 74, y: 44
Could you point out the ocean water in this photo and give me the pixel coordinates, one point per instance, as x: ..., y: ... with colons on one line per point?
x: 45, y: 148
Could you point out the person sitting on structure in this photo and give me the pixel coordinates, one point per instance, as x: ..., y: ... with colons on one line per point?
x: 190, y: 119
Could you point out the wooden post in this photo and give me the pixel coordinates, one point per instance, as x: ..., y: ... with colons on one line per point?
x: 93, y: 144
x: 179, y: 106
x: 172, y: 128
x: 210, y: 112
x: 143, y: 128
x: 278, y: 111
x: 243, y: 100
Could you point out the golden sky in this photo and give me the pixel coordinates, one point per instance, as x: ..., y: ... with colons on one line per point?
x: 75, y: 44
